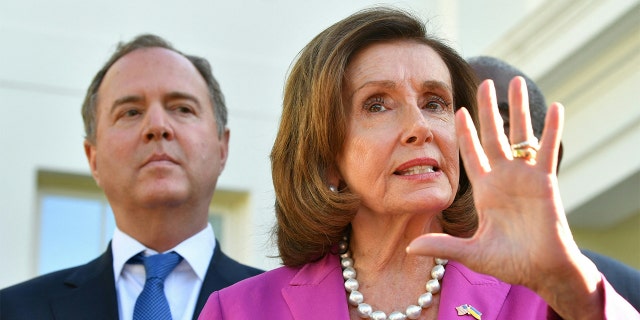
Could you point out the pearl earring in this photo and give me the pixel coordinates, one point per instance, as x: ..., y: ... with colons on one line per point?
x: 333, y: 188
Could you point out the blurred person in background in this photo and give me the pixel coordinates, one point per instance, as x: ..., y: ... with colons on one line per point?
x: 625, y: 279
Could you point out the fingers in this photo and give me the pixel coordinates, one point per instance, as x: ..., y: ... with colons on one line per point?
x: 551, y: 137
x: 519, y: 117
x: 493, y: 139
x: 480, y: 157
x: 473, y: 157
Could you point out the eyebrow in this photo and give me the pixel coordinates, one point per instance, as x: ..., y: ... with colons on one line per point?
x: 429, y: 85
x: 173, y: 95
x: 125, y: 100
x: 375, y: 83
x: 434, y: 85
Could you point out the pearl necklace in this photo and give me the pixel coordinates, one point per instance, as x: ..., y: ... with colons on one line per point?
x: 365, y: 311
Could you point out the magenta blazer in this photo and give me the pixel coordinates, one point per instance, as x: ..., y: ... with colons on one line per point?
x: 316, y: 291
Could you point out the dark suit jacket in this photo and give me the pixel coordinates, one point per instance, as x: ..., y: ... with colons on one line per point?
x: 89, y: 292
x: 623, y: 278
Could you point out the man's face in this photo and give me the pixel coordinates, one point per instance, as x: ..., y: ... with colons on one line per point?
x: 157, y: 144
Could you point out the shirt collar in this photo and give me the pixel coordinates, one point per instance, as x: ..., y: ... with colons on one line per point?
x: 196, y: 250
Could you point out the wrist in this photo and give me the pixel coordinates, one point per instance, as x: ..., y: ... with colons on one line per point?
x: 575, y: 293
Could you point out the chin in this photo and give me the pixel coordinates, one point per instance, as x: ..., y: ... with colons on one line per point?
x: 164, y: 197
x: 434, y: 203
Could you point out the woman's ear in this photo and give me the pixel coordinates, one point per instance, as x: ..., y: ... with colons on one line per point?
x: 334, y: 178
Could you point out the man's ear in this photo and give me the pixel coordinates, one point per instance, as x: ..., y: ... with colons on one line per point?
x: 90, y: 151
x: 224, y: 149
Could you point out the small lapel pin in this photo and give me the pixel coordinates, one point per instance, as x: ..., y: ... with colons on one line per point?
x: 470, y: 310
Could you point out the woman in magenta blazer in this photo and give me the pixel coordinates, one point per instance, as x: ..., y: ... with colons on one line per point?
x: 372, y: 196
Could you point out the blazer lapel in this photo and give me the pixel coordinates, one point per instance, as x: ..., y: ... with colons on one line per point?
x: 320, y: 279
x: 324, y: 278
x: 91, y: 292
x: 222, y: 272
x: 462, y: 286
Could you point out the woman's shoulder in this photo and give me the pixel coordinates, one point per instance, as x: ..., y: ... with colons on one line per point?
x: 267, y: 281
x: 260, y: 292
x: 273, y: 291
x: 276, y: 279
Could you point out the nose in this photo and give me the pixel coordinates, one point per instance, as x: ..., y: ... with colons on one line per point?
x: 157, y: 124
x: 418, y: 130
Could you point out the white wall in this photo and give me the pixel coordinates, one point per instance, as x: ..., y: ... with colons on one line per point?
x: 50, y: 50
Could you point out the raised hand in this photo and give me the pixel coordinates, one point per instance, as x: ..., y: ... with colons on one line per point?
x: 523, y: 236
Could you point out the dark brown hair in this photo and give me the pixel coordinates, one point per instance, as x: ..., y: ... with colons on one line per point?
x: 143, y: 41
x: 310, y: 218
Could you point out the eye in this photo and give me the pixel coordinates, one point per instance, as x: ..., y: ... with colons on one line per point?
x: 184, y: 109
x: 374, y: 105
x: 131, y: 113
x: 437, y: 103
x: 128, y: 113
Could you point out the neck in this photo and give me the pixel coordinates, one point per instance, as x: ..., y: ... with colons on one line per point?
x: 379, y: 243
x: 160, y: 230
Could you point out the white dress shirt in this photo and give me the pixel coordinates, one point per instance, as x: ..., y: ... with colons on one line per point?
x: 182, y: 285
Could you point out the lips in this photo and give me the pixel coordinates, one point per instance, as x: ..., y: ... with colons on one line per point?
x: 159, y: 158
x: 417, y: 167
x: 415, y: 170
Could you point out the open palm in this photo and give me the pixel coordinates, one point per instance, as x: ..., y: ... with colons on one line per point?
x: 523, y: 236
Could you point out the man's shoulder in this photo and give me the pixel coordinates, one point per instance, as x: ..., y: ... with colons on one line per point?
x: 624, y: 279
x: 230, y: 268
x: 51, y: 283
x: 33, y: 299
x: 38, y: 286
x: 613, y: 269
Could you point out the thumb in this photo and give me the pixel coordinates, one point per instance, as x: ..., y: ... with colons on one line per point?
x: 439, y: 245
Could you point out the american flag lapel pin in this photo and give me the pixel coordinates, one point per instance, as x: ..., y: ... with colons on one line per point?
x: 467, y: 309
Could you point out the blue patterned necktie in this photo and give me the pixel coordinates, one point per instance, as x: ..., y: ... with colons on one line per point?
x: 152, y: 302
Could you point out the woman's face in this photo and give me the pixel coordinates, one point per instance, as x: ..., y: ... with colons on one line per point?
x: 401, y: 153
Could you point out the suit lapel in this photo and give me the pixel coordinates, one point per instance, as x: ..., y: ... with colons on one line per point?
x: 222, y: 272
x: 211, y: 281
x: 320, y: 279
x: 462, y: 286
x: 91, y: 292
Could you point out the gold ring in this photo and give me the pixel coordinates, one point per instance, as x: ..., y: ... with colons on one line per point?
x: 524, y: 153
x: 525, y: 149
x: 533, y: 143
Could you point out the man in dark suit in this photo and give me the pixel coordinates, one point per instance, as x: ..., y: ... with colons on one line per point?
x: 156, y: 142
x: 623, y: 278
